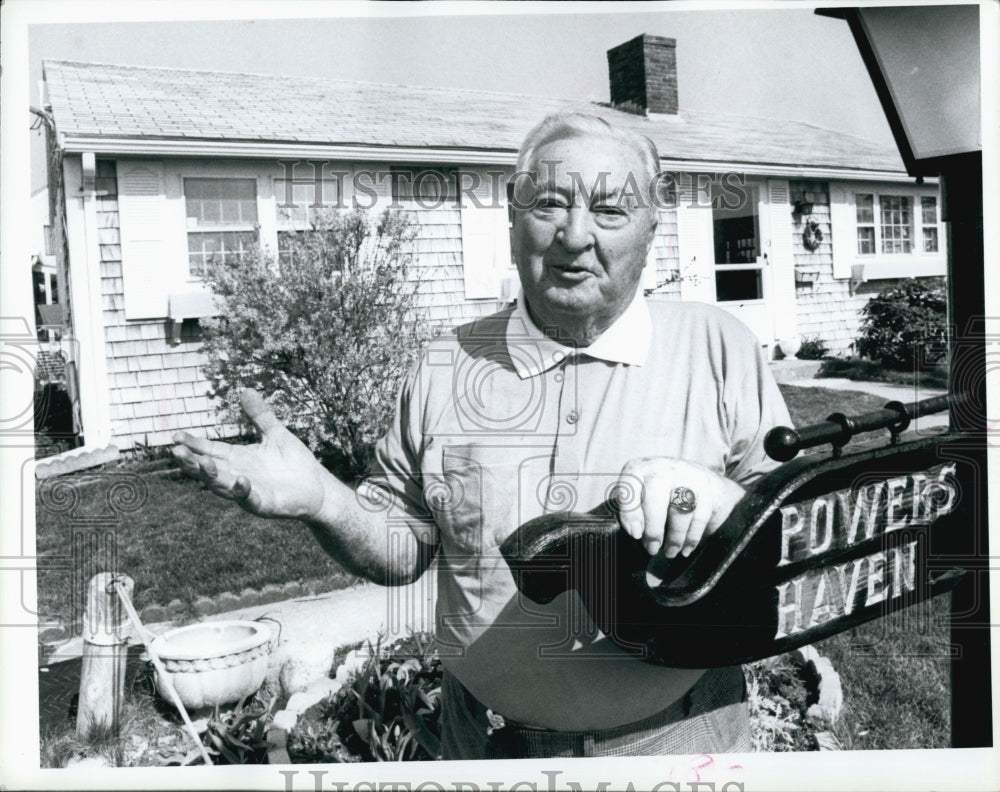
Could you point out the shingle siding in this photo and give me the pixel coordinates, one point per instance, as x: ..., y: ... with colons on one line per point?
x: 667, y: 255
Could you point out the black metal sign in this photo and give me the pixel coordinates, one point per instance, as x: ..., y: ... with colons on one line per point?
x: 817, y: 546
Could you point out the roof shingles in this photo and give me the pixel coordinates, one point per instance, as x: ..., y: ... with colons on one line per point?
x: 94, y: 99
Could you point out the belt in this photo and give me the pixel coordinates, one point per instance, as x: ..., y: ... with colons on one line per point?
x: 715, y: 689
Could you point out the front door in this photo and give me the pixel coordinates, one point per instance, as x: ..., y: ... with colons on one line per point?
x: 742, y: 272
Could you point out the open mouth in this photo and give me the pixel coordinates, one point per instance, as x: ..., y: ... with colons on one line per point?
x: 570, y: 272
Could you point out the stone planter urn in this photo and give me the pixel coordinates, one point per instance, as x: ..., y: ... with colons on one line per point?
x: 213, y: 663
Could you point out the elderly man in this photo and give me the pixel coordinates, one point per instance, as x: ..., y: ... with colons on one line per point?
x: 581, y: 392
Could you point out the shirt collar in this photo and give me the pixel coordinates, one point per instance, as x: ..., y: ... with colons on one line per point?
x: 533, y: 352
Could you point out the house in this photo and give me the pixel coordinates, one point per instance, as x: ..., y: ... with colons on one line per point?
x: 45, y: 281
x: 789, y: 226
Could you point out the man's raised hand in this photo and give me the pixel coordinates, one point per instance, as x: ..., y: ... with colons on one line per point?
x: 277, y: 477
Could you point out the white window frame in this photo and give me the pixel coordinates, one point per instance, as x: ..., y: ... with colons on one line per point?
x: 879, y: 264
x: 243, y: 227
x: 758, y: 265
x: 301, y: 218
x: 178, y: 170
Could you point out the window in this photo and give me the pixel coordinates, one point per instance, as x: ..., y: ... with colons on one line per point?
x: 897, y: 225
x: 890, y: 224
x: 886, y: 230
x: 736, y: 232
x: 47, y: 240
x: 221, y: 221
x: 866, y: 224
x: 298, y: 210
x: 929, y: 220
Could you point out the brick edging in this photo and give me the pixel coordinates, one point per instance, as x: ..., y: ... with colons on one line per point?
x: 52, y: 635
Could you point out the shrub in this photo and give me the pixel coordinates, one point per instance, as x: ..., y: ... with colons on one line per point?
x: 812, y: 349
x: 239, y: 736
x: 326, y: 331
x: 905, y: 326
x: 387, y: 711
x: 780, y: 691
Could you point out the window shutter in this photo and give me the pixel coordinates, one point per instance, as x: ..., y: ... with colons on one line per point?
x: 148, y: 271
x: 781, y: 258
x: 486, y: 257
x: 695, y: 244
x: 843, y: 221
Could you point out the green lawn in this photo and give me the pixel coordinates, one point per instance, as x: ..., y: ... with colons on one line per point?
x: 811, y: 405
x: 896, y: 677
x: 182, y: 542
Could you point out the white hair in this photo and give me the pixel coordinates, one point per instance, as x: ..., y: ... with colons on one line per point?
x: 561, y: 126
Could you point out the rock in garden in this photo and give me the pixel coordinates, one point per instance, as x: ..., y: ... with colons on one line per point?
x: 300, y: 702
x: 353, y: 663
x: 831, y: 692
x: 302, y: 667
x: 325, y: 687
x: 176, y: 609
x: 285, y: 719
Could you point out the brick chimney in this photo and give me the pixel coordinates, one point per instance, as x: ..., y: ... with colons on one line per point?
x: 643, y: 75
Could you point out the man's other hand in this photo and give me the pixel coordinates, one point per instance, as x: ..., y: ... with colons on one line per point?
x: 277, y: 477
x: 662, y: 513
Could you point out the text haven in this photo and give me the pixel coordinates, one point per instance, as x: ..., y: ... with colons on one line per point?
x: 841, y: 519
x: 829, y: 593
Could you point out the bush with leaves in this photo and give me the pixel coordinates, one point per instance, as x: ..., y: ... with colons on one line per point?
x: 239, y: 736
x: 905, y: 326
x: 812, y: 349
x: 388, y: 710
x: 780, y: 690
x: 325, y: 331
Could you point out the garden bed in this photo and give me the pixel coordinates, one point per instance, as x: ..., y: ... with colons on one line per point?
x: 387, y: 707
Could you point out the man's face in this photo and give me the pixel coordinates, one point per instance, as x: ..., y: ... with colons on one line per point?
x: 581, y: 246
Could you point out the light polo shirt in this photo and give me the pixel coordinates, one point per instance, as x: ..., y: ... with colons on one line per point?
x: 626, y: 341
x: 500, y: 424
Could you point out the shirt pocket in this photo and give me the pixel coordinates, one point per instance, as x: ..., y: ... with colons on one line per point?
x: 475, y: 502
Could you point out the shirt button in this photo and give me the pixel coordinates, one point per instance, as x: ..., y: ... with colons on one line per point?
x: 558, y: 377
x: 572, y: 417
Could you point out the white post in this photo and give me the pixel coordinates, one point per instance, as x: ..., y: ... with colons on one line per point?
x: 105, y: 648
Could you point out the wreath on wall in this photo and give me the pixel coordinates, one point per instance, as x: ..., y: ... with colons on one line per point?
x: 812, y: 235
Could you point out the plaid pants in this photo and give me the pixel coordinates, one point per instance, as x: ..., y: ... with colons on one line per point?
x: 712, y: 717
